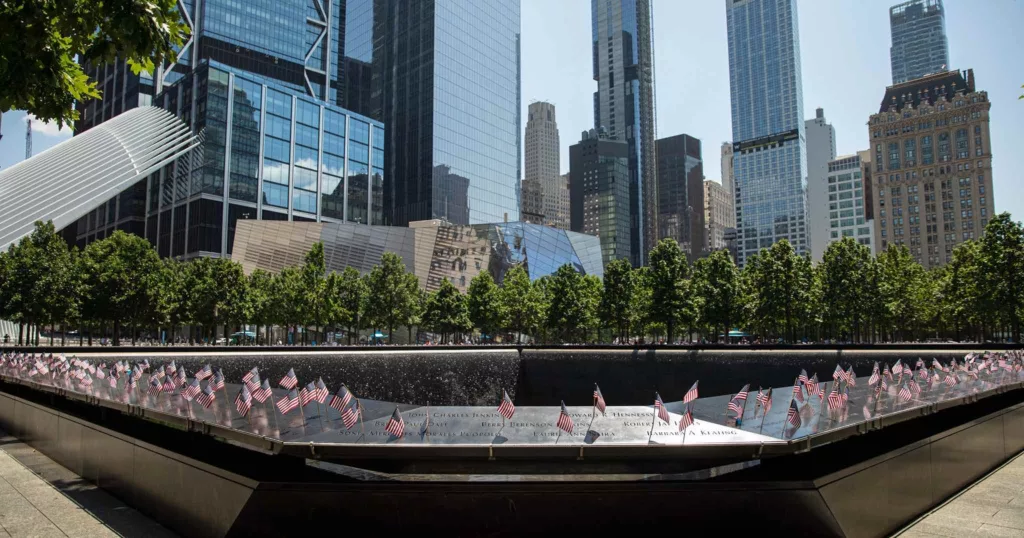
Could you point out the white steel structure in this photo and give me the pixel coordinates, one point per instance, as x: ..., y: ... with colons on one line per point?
x: 67, y: 181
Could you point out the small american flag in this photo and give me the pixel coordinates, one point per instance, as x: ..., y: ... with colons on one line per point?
x: 659, y: 406
x: 218, y: 381
x: 171, y: 368
x: 207, y: 397
x: 951, y: 379
x: 802, y: 378
x: 395, y: 425
x: 742, y: 394
x: 768, y: 402
x: 252, y: 382
x: 243, y: 402
x: 761, y: 397
x: 798, y: 392
x: 887, y: 373
x: 835, y: 400
x: 691, y: 394
x: 204, y: 373
x: 182, y: 378
x: 883, y: 385
x: 191, y: 391
x: 914, y: 387
x: 905, y: 395
x: 564, y: 420
x: 154, y: 385
x: 793, y: 414
x: 506, y: 408
x: 838, y: 373
x: 874, y: 375
x: 131, y: 383
x: 851, y: 378
x: 168, y: 385
x: 922, y: 373
x: 321, y: 391
x: 736, y: 406
x: 685, y: 420
x: 289, y: 381
x: 307, y: 394
x: 254, y: 373
x: 920, y: 363
x: 100, y: 374
x: 350, y: 415
x: 599, y: 399
x: 812, y: 385
x: 262, y: 392
x: 341, y: 400
x: 289, y: 402
x: 112, y: 379
x: 897, y: 368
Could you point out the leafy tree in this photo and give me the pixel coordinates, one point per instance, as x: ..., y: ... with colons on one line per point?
x: 716, y: 280
x: 235, y: 307
x: 261, y: 300
x: 288, y: 295
x: 413, y: 313
x: 351, y: 293
x: 1002, y: 265
x: 959, y: 288
x: 44, y: 43
x: 902, y: 284
x: 669, y: 297
x: 619, y: 300
x: 574, y: 299
x: 844, y: 275
x: 780, y: 289
x: 122, y: 279
x: 314, y: 288
x: 641, y: 315
x: 390, y: 293
x: 521, y: 302
x: 446, y: 311
x: 486, y: 309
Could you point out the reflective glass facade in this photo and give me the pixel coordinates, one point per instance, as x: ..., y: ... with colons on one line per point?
x: 769, y: 144
x: 681, y: 193
x: 599, y: 202
x: 919, y: 44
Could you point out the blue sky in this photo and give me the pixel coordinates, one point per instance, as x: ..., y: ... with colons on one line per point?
x: 845, y: 55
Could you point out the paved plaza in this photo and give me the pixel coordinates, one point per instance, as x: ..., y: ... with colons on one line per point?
x: 40, y: 498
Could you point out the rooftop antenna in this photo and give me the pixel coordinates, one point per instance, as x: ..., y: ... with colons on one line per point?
x: 28, y: 139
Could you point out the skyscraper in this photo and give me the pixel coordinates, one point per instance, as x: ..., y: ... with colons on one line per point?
x: 919, y: 44
x: 681, y: 193
x: 767, y: 124
x: 821, y: 196
x: 728, y: 179
x: 599, y: 193
x: 543, y: 184
x: 623, y: 67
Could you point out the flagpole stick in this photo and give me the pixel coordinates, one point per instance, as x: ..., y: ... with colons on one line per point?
x: 362, y: 429
x: 759, y: 430
x: 654, y: 419
x: 822, y: 410
x: 791, y: 398
x: 743, y: 413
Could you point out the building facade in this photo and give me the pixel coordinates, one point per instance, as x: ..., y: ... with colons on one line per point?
x: 543, y: 169
x: 821, y: 150
x: 847, y: 215
x: 919, y: 44
x: 681, y: 193
x: 932, y: 160
x: 623, y: 65
x: 599, y: 183
x: 718, y: 215
x: 728, y: 180
x: 769, y: 152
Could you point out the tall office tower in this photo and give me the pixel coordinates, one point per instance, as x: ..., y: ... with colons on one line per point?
x: 599, y: 191
x: 728, y: 180
x: 821, y: 148
x: 932, y: 183
x: 718, y: 215
x: 543, y: 168
x: 562, y: 200
x: 848, y: 215
x: 449, y: 80
x: 767, y: 124
x: 681, y: 193
x: 261, y: 81
x: 623, y: 64
x: 919, y: 44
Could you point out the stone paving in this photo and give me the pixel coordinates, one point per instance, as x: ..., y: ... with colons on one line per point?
x: 40, y: 498
x: 993, y: 506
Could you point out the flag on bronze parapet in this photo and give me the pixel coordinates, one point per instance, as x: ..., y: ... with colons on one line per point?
x: 564, y: 420
x: 340, y: 400
x: 599, y: 399
x: 350, y: 415
x: 288, y: 402
x: 207, y: 397
x: 289, y: 381
x: 686, y: 419
x: 395, y: 425
x: 243, y: 402
x: 659, y: 407
x: 506, y: 408
x: 691, y: 394
x: 793, y: 414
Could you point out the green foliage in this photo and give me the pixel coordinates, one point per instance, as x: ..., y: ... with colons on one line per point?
x: 122, y: 275
x: 780, y: 286
x: 846, y: 287
x: 446, y: 311
x: 959, y: 289
x: 486, y: 309
x: 1002, y: 266
x: 671, y: 303
x: 903, y: 290
x: 716, y: 280
x: 261, y: 298
x: 573, y: 302
x: 314, y: 303
x: 41, y: 41
x: 391, y: 294
x: 523, y: 304
x: 619, y: 303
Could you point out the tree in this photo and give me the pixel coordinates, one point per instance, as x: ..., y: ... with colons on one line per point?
x: 574, y: 299
x: 314, y: 288
x: 486, y: 309
x: 521, y: 302
x: 779, y: 289
x: 669, y: 297
x: 844, y: 274
x: 1002, y: 265
x: 618, y: 301
x: 390, y: 293
x: 716, y: 280
x: 261, y: 300
x: 351, y: 300
x: 446, y: 311
x: 122, y: 273
x: 288, y: 295
x: 901, y: 289
x: 45, y: 42
x: 960, y: 288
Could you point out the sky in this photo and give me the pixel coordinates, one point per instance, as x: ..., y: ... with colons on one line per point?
x: 845, y: 60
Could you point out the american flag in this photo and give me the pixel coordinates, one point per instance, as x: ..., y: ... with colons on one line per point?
x: 182, y: 377
x: 802, y: 378
x: 599, y: 399
x: 951, y: 379
x: 793, y: 414
x: 564, y: 420
x: 897, y: 368
x: 812, y: 385
x: 506, y: 408
x: 100, y: 374
x: 350, y: 415
x: 846, y: 395
x: 137, y: 372
x: 154, y: 385
x: 922, y: 373
x: 289, y: 380
x: 905, y: 395
x: 86, y: 381
x: 254, y: 373
x: 838, y: 373
x: 191, y: 391
x: 914, y: 387
x: 835, y: 400
x: 886, y: 372
x: 307, y: 394
x: 252, y: 382
x: 168, y: 385
x: 659, y: 406
x: 395, y: 425
x: 768, y: 402
x: 920, y: 363
x: 340, y: 400
x: 145, y: 364
x: 243, y: 402
x: 207, y: 397
x: 263, y: 392
x: 759, y: 399
x: 874, y: 375
x: 935, y: 377
x: 742, y: 394
x: 159, y: 373
x: 131, y: 383
x: 218, y: 381
x: 321, y: 391
x: 851, y: 378
x: 883, y: 385
x: 736, y: 406
x: 686, y: 419
x: 289, y: 402
x: 170, y: 369
x: 798, y: 392
x: 691, y: 394
x: 204, y: 373
x: 113, y: 378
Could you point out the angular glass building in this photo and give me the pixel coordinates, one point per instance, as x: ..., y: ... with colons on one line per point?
x: 919, y: 44
x: 769, y: 145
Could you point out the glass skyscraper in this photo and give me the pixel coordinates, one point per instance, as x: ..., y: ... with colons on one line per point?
x: 767, y: 125
x: 623, y: 65
x: 919, y: 44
